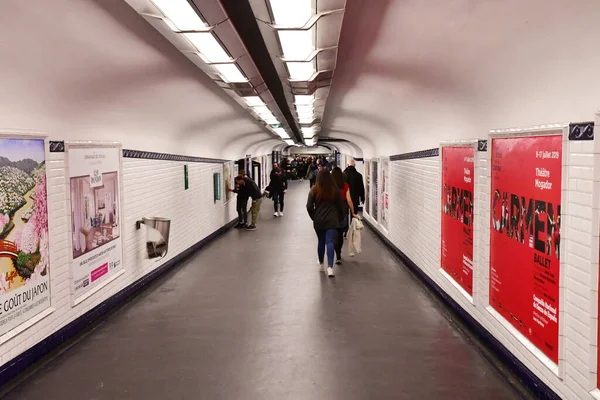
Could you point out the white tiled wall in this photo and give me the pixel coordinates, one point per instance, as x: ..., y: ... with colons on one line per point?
x: 415, y: 229
x: 151, y: 188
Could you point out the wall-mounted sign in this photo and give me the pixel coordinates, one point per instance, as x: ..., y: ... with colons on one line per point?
x: 525, y: 236
x: 457, y: 215
x: 24, y: 240
x: 95, y: 187
x: 186, y: 181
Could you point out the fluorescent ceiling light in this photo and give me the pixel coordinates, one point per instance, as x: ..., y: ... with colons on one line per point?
x: 266, y: 116
x: 289, y: 142
x: 306, y: 119
x: 306, y: 115
x: 230, y: 73
x: 270, y: 121
x: 297, y: 45
x: 262, y: 109
x: 254, y: 101
x: 181, y: 15
x: 292, y: 13
x: 304, y: 108
x: 304, y: 99
x: 301, y: 71
x: 208, y: 46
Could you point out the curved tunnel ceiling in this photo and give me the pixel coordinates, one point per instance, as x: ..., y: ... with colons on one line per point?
x: 409, y: 74
x: 413, y: 73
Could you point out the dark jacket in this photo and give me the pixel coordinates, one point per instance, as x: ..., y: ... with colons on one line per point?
x: 278, y: 182
x: 356, y: 183
x: 248, y: 189
x: 325, y: 214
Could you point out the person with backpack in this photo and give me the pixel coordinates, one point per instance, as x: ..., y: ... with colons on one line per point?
x: 348, y: 207
x: 324, y: 206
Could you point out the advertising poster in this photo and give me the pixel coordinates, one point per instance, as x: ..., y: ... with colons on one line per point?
x: 385, y: 203
x: 457, y: 214
x: 263, y: 169
x: 95, y: 182
x: 375, y: 176
x: 228, y: 180
x: 367, y: 186
x: 525, y: 236
x: 24, y: 247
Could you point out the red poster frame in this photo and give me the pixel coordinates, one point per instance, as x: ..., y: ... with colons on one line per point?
x: 458, y: 189
x: 526, y: 196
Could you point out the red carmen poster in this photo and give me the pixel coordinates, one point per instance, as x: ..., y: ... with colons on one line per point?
x: 525, y: 236
x: 457, y: 215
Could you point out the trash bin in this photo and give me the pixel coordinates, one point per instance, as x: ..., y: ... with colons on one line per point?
x: 157, y: 235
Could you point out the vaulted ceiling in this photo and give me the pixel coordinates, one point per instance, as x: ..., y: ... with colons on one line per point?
x: 412, y: 73
x: 409, y: 74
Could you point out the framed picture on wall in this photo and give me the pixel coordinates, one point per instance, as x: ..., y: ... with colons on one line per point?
x: 217, y: 186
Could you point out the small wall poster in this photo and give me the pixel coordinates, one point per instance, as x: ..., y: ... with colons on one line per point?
x: 457, y: 214
x: 367, y: 186
x: 228, y: 180
x: 95, y: 188
x: 217, y: 185
x: 375, y: 175
x: 385, y: 192
x: 24, y: 240
x: 525, y: 236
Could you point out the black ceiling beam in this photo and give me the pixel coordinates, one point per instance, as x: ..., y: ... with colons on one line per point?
x: 242, y: 17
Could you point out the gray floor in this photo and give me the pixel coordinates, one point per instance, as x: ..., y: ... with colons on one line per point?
x: 250, y: 317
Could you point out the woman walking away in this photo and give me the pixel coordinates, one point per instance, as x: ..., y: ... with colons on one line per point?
x: 347, y: 206
x: 325, y: 208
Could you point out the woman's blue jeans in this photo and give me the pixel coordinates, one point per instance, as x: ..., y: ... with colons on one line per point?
x: 326, y: 238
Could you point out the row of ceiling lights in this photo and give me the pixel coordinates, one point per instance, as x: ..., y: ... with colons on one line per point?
x: 295, y: 25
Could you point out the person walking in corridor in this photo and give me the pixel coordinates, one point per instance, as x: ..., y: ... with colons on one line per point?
x: 325, y: 208
x: 278, y: 188
x: 348, y: 208
x: 249, y: 188
x: 356, y: 183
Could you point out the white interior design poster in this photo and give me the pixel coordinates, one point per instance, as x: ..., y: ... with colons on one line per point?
x: 228, y: 180
x: 384, y: 201
x: 94, y: 176
x: 375, y: 205
x: 24, y: 249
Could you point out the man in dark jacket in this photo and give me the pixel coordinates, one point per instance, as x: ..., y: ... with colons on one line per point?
x: 278, y: 186
x: 356, y: 183
x: 242, y: 202
x: 250, y: 189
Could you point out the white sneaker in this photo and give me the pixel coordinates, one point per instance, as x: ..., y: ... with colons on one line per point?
x: 330, y: 271
x: 276, y: 214
x: 321, y: 267
x: 280, y: 214
x: 351, y: 254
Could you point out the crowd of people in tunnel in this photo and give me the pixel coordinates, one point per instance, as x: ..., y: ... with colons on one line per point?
x: 333, y: 202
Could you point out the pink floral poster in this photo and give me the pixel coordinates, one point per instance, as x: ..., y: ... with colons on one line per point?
x: 24, y: 247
